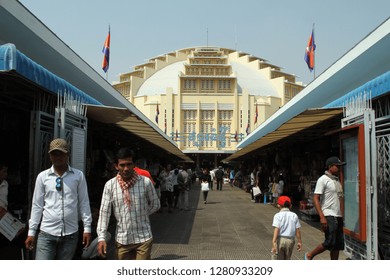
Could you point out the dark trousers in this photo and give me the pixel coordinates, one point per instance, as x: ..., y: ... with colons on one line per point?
x: 205, y: 193
x: 167, y: 198
x: 176, y: 193
x: 219, y: 184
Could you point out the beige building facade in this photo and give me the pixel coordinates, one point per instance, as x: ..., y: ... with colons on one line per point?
x: 208, y: 99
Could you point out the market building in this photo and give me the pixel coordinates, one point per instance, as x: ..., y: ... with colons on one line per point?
x: 208, y: 99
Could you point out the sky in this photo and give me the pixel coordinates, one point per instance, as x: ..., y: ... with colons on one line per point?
x: 277, y: 31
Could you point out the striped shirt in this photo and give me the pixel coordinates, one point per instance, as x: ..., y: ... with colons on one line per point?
x: 133, y: 225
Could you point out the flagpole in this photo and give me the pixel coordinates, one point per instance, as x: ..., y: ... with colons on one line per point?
x: 109, y: 32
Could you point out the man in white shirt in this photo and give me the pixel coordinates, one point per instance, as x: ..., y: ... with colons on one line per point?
x: 60, y: 200
x: 328, y: 201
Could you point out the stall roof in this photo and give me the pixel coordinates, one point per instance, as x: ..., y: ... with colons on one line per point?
x: 127, y: 120
x: 374, y: 89
x: 298, y: 126
x: 12, y: 59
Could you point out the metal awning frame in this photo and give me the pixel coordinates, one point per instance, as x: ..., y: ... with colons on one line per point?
x: 125, y: 119
x: 293, y: 127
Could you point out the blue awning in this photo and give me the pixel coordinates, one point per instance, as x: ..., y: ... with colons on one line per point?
x: 12, y: 59
x: 374, y: 88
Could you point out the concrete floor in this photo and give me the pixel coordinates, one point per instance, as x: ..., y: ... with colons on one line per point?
x: 228, y: 227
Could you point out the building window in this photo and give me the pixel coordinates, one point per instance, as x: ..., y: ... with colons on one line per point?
x: 189, y: 84
x: 207, y: 84
x: 225, y: 115
x: 224, y: 84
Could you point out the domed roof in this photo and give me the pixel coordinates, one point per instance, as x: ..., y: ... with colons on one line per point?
x: 159, y: 82
x: 248, y: 78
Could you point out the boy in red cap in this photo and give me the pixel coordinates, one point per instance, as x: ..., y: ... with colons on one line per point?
x: 287, y: 227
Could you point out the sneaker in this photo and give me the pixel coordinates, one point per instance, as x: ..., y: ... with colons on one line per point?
x: 205, y: 202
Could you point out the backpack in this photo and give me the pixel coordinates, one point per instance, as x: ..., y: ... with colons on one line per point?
x: 219, y: 174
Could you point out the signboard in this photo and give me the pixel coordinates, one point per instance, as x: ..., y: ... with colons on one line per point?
x: 78, y: 148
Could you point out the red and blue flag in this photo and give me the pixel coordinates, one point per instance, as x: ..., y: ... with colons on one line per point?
x: 309, y: 54
x: 106, y: 52
x: 157, y: 113
x: 256, y: 114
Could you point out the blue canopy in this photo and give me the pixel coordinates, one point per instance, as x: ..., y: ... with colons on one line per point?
x: 375, y: 87
x: 13, y: 60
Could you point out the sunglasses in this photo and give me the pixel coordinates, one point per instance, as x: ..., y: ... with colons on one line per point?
x: 59, y: 184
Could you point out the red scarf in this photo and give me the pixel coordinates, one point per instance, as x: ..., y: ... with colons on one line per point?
x: 126, y: 185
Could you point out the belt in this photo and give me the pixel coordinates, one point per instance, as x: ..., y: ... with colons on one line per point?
x: 288, y: 237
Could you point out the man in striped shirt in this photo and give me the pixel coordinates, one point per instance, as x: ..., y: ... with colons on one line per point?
x: 132, y: 198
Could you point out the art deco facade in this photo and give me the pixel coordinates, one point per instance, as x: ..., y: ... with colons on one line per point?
x: 207, y: 98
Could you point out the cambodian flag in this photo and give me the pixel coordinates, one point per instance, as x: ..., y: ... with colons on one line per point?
x: 309, y: 54
x: 106, y: 51
x: 256, y: 114
x: 157, y: 113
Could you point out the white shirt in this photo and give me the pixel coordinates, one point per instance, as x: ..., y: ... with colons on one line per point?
x: 329, y: 200
x: 59, y: 211
x: 212, y: 174
x: 174, y: 176
x: 287, y: 222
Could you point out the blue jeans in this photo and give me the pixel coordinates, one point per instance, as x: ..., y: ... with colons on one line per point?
x: 50, y: 247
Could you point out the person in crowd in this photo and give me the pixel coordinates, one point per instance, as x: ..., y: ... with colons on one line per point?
x: 275, y: 191
x: 328, y: 200
x: 286, y: 228
x: 219, y: 177
x: 281, y: 183
x: 212, y: 175
x: 238, y: 178
x: 183, y: 182
x: 144, y: 172
x: 166, y: 188
x: 252, y: 184
x: 132, y: 198
x: 60, y: 198
x: 205, y: 178
x: 176, y: 189
x: 3, y: 188
x: 191, y: 177
x: 231, y: 176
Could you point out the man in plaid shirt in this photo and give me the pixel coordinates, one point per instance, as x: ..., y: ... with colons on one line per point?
x: 132, y: 198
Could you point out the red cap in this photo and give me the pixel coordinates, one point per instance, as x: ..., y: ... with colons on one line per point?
x: 283, y: 199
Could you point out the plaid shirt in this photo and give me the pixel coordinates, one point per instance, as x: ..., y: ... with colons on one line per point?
x: 133, y: 225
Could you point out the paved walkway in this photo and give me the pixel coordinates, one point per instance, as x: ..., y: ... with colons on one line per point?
x: 228, y: 227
